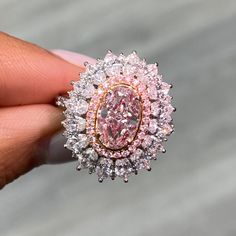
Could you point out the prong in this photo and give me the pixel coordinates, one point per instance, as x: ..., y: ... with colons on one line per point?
x: 78, y: 167
x: 72, y: 82
x: 165, y: 139
x: 171, y: 86
x: 113, y: 175
x: 156, y: 64
x: 65, y: 146
x: 86, y: 63
x: 126, y: 180
x: 149, y: 168
x: 100, y: 180
x: 135, y: 171
x: 174, y: 109
x: 109, y: 51
x: 134, y: 52
x: 163, y: 150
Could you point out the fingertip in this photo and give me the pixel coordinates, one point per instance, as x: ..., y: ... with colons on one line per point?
x: 52, y: 150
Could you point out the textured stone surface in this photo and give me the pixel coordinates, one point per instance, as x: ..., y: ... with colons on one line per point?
x: 118, y: 117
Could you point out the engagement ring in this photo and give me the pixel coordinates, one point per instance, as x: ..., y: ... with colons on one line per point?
x: 117, y: 116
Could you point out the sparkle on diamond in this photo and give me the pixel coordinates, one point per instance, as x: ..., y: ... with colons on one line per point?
x: 118, y: 117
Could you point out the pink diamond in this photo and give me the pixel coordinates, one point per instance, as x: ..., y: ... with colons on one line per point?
x: 118, y: 117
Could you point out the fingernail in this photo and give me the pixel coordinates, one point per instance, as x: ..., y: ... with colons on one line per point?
x: 74, y: 58
x: 52, y: 151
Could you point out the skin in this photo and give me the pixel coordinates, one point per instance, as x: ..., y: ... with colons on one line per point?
x: 30, y: 80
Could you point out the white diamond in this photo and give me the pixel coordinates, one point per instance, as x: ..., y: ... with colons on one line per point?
x: 123, y: 167
x: 129, y: 69
x: 166, y: 129
x: 90, y: 69
x: 99, y: 77
x: 147, y: 141
x: 143, y: 164
x: 84, y: 88
x: 110, y: 57
x: 91, y: 154
x: 79, y: 85
x: 133, y: 58
x: 83, y: 76
x: 81, y: 124
x: 70, y: 143
x: 114, y: 70
x: 165, y: 87
x: 82, y: 143
x: 88, y: 91
x: 152, y: 70
x: 155, y: 108
x: 152, y: 92
x: 70, y: 125
x: 165, y: 99
x: 81, y: 107
x: 104, y: 168
x: 169, y: 109
x: 121, y: 58
x: 139, y: 160
x: 137, y: 154
x: 153, y: 126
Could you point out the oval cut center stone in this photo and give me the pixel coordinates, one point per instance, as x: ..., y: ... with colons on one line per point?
x: 118, y: 117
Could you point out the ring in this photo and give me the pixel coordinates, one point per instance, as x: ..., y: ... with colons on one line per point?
x: 117, y: 116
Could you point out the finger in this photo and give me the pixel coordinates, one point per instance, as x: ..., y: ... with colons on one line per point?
x: 30, y: 74
x: 22, y: 130
x: 51, y: 150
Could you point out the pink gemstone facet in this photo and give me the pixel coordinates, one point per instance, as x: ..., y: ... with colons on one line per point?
x: 118, y: 117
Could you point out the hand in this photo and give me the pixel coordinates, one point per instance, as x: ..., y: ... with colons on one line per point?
x: 30, y: 80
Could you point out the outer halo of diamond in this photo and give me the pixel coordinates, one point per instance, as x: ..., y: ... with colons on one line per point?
x: 117, y: 116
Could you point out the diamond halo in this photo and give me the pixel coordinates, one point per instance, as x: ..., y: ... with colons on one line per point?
x: 117, y: 116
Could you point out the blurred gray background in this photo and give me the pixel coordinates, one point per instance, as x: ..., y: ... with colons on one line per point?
x: 191, y: 190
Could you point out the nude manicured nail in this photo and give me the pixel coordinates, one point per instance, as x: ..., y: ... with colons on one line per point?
x: 74, y: 58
